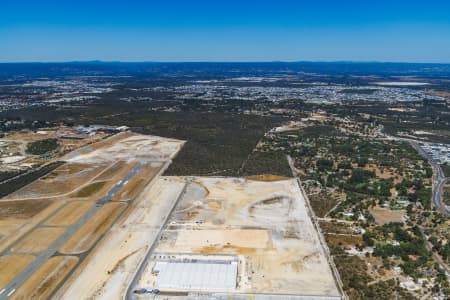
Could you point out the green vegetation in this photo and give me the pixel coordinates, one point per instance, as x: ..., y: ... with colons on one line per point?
x: 274, y: 163
x: 446, y: 194
x: 347, y: 173
x: 388, y: 289
x: 217, y: 143
x: 439, y: 128
x: 364, y: 171
x: 410, y: 248
x: 356, y: 281
x: 21, y: 181
x: 42, y: 146
x: 354, y: 276
x: 5, y: 175
x: 446, y: 169
x: 323, y: 202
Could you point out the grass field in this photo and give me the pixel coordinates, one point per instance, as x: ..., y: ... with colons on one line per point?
x: 90, y: 190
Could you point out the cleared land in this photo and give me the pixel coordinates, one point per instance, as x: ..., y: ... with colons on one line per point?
x: 241, y: 238
x: 264, y: 224
x: 384, y: 216
x: 114, y: 205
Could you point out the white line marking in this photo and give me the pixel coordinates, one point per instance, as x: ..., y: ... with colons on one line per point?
x: 2, y: 291
x: 11, y: 292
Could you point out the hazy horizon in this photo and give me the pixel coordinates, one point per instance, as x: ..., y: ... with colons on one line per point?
x: 100, y: 61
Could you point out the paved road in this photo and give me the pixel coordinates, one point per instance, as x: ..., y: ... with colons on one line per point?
x: 439, y: 179
x: 42, y: 257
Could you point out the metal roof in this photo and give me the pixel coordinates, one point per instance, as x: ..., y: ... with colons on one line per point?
x: 196, y: 276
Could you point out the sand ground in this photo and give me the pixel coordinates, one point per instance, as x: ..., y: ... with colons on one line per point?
x: 265, y: 224
x: 384, y: 215
x: 111, y: 265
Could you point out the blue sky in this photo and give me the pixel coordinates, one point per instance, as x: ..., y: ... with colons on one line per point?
x: 377, y: 30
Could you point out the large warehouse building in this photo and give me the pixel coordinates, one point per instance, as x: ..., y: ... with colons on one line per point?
x: 196, y: 275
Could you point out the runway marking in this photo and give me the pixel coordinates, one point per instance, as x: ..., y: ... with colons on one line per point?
x: 11, y: 292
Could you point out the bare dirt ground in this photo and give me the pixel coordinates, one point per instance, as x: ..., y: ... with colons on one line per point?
x: 11, y: 229
x: 70, y: 213
x: 43, y: 282
x: 266, y: 177
x: 265, y: 224
x: 242, y: 238
x: 46, y: 210
x: 109, y: 268
x: 346, y: 241
x: 384, y: 215
x: 127, y: 146
x: 15, y: 214
x: 38, y: 240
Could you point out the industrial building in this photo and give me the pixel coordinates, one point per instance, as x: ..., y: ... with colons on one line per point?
x: 203, y: 275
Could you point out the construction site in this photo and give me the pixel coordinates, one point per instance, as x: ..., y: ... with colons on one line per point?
x: 107, y: 224
x: 239, y: 236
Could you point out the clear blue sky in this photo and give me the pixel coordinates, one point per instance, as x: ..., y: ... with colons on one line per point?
x: 215, y: 30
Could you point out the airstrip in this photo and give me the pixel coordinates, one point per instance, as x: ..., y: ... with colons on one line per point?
x: 107, y: 225
x: 49, y: 228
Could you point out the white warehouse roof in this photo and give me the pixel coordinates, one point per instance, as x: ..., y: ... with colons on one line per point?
x: 198, y: 276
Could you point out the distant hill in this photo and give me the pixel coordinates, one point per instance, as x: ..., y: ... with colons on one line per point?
x: 99, y: 68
